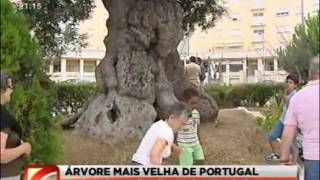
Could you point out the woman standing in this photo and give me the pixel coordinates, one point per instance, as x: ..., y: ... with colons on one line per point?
x: 12, y: 148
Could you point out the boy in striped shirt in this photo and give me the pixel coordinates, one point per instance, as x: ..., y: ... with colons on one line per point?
x: 188, y: 136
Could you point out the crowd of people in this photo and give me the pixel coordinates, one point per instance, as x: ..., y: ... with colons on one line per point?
x: 178, y: 132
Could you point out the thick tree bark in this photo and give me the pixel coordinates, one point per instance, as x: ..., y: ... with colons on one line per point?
x: 141, y: 73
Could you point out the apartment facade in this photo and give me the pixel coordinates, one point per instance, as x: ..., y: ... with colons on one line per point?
x: 243, y: 44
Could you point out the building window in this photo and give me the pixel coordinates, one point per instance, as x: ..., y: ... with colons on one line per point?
x: 282, y: 12
x: 269, y: 65
x: 235, y: 48
x: 89, y: 66
x: 56, y: 66
x: 258, y: 46
x: 258, y: 31
x: 252, y: 66
x: 223, y: 68
x: 235, y: 16
x: 235, y: 32
x: 236, y: 67
x: 73, y: 65
x: 257, y: 14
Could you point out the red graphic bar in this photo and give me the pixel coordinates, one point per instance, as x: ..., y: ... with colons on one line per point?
x: 177, y: 178
x: 42, y: 172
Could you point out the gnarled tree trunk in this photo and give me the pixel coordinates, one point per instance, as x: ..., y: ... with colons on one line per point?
x: 141, y: 73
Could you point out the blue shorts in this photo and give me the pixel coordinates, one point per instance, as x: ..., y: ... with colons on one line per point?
x: 311, y: 169
x: 276, y: 131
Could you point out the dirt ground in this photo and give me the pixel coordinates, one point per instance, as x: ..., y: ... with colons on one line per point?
x: 236, y: 140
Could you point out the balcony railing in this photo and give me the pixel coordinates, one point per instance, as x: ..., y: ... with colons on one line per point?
x: 240, y: 54
x: 90, y: 54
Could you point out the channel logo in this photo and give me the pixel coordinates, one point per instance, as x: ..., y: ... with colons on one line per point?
x: 42, y: 172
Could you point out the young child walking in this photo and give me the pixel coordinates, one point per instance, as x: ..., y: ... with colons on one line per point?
x: 158, y: 141
x: 188, y: 136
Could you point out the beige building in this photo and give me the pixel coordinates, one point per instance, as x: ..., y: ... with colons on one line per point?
x: 245, y: 40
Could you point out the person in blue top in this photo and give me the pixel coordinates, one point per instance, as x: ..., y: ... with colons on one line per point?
x: 276, y: 131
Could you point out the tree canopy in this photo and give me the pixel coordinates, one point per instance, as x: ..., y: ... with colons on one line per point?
x: 304, y: 45
x: 200, y: 13
x: 55, y: 22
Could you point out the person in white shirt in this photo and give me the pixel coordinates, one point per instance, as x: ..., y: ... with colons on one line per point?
x: 158, y: 141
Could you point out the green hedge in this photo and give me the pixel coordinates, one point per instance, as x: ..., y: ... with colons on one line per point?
x: 72, y: 96
x: 222, y: 94
x: 244, y: 95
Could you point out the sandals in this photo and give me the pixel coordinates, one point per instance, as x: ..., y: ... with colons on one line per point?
x: 273, y: 157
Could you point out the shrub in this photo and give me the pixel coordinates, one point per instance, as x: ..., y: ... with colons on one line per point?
x: 72, y: 96
x: 33, y: 97
x: 240, y: 95
x: 244, y: 95
x: 261, y: 93
x: 221, y: 93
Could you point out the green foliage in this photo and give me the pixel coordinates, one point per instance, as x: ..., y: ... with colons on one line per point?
x: 304, y: 45
x: 55, y: 23
x: 32, y: 100
x: 261, y: 93
x: 271, y: 118
x: 244, y: 95
x: 71, y: 97
x: 201, y: 13
x: 222, y: 94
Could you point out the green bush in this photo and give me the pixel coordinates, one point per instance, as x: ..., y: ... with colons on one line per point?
x: 33, y: 96
x: 240, y: 95
x: 221, y: 93
x: 72, y: 96
x: 261, y: 93
x: 271, y: 118
x: 244, y: 95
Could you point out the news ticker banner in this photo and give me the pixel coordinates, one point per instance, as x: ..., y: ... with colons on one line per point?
x: 95, y: 172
